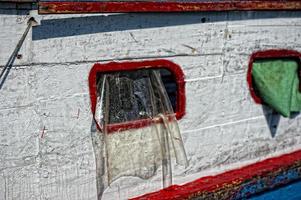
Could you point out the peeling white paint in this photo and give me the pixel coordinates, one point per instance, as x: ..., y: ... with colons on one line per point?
x: 45, y: 146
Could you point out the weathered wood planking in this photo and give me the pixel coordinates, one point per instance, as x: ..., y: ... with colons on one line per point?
x: 45, y: 118
x: 18, y: 1
x: 239, y: 183
x: 65, y: 7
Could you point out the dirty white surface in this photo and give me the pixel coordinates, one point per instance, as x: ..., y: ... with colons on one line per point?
x: 45, y: 120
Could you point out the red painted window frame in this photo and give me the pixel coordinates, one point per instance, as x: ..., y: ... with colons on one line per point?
x: 129, y: 66
x: 270, y: 54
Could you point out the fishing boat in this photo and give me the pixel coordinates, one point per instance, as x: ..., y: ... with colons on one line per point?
x: 185, y: 99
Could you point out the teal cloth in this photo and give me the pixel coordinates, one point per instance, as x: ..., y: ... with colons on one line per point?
x: 277, y: 83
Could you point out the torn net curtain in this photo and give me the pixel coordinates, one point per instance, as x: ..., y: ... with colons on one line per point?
x: 138, y: 128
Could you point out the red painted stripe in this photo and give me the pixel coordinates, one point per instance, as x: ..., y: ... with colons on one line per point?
x: 212, y: 183
x: 111, y: 128
x: 169, y: 6
x: 270, y: 54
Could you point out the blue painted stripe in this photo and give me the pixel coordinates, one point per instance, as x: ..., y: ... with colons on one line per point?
x: 261, y: 184
x: 288, y: 192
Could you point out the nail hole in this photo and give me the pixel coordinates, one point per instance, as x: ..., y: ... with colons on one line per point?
x: 19, y: 56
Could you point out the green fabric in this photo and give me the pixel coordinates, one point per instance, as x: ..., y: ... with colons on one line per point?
x: 277, y: 83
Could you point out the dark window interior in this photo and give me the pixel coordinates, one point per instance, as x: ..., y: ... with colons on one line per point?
x: 170, y: 84
x: 127, y: 106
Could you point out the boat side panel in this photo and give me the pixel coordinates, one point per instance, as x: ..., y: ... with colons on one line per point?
x: 45, y: 118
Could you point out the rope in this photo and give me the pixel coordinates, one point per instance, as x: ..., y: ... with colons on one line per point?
x: 10, y: 62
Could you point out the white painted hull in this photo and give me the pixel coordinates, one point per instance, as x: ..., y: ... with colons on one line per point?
x: 45, y: 117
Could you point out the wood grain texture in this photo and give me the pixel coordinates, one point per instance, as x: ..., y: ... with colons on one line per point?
x: 63, y: 7
x: 46, y: 94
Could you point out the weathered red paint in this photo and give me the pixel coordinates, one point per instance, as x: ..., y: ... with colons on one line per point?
x: 167, y: 6
x: 133, y: 124
x: 268, y: 54
x: 209, y: 184
x: 128, y: 66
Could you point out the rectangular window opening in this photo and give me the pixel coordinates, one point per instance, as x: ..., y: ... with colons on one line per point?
x: 129, y: 95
